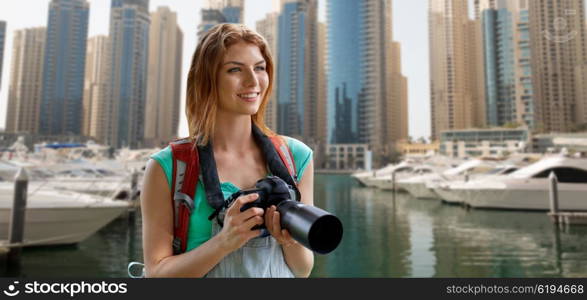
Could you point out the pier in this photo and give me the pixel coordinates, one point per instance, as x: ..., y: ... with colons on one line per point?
x: 562, y: 217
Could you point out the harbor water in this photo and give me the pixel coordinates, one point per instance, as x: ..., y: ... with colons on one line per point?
x: 384, y: 236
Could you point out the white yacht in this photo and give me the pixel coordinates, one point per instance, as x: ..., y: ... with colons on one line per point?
x: 386, y: 182
x: 58, y: 217
x: 423, y: 186
x: 454, y: 192
x: 528, y: 187
x: 364, y: 177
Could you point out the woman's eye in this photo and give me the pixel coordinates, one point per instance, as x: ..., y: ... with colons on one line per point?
x: 260, y: 68
x: 233, y: 70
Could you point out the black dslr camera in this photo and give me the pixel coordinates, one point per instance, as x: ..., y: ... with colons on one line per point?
x: 311, y: 226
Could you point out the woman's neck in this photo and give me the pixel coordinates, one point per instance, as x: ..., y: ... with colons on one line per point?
x: 233, y: 133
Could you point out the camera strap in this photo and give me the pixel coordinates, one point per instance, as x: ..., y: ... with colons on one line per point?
x: 277, y: 155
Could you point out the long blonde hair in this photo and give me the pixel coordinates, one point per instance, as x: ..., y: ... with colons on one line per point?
x: 202, y: 93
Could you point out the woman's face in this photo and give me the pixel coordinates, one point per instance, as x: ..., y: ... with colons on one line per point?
x: 242, y: 79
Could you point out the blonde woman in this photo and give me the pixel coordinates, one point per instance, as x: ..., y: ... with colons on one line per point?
x: 229, y: 83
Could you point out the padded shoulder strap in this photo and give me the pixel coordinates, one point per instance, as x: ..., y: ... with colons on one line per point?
x: 186, y: 170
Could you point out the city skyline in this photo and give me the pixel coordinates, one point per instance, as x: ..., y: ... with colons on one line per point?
x: 414, y: 60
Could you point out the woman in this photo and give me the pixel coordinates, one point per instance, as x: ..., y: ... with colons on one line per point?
x: 229, y: 85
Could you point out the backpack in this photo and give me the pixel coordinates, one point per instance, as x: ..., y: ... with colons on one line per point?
x: 187, y: 172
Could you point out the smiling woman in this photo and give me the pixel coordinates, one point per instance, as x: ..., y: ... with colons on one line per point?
x: 228, y: 85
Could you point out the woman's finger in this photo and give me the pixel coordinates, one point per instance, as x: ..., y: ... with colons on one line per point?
x: 239, y: 202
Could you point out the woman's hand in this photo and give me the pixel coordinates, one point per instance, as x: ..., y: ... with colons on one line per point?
x: 273, y: 224
x: 237, y: 225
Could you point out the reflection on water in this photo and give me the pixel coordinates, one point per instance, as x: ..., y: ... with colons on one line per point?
x: 384, y: 236
x: 387, y: 236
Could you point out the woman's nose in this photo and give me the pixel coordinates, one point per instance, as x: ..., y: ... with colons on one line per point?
x: 251, y: 78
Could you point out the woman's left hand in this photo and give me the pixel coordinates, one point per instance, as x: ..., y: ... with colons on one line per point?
x: 273, y: 224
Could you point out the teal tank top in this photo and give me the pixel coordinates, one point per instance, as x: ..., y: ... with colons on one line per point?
x: 200, y: 228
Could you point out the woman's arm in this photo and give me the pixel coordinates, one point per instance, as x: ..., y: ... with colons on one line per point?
x: 157, y: 216
x: 299, y: 259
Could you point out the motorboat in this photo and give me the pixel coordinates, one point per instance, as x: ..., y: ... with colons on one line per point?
x: 365, y: 178
x: 528, y: 187
x: 452, y: 192
x: 386, y: 182
x: 423, y: 186
x: 55, y: 217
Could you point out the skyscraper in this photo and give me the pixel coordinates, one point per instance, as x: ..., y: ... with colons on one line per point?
x: 359, y: 89
x: 26, y: 80
x: 397, y: 104
x: 558, y: 44
x: 96, y: 88
x: 164, y: 79
x: 217, y: 12
x: 297, y: 71
x: 267, y: 27
x: 508, y: 73
x: 63, y: 70
x: 453, y: 85
x: 2, y: 37
x: 127, y: 87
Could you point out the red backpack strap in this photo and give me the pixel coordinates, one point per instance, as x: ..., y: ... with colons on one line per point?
x: 186, y: 171
x: 285, y: 154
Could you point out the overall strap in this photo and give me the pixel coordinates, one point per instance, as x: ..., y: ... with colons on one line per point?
x: 186, y: 170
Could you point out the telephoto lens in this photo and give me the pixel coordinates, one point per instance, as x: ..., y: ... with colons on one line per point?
x: 315, y: 228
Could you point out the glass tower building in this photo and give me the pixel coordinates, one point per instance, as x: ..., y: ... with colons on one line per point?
x: 129, y: 44
x: 220, y: 11
x: 346, y: 75
x: 506, y: 49
x: 359, y: 71
x: 298, y: 77
x: 63, y: 70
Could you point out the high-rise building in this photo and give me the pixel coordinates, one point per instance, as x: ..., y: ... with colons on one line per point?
x: 217, y: 12
x: 321, y: 115
x: 164, y: 79
x: 2, y: 38
x: 558, y: 44
x: 127, y: 69
x: 359, y: 89
x: 26, y: 80
x: 453, y: 80
x: 63, y: 70
x: 397, y: 104
x: 297, y: 71
x: 581, y: 87
x: 96, y: 88
x: 267, y: 27
x: 508, y: 72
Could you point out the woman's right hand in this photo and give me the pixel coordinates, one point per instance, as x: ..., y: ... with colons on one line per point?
x: 237, y: 229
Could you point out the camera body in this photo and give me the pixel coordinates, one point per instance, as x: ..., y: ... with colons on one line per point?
x: 311, y: 226
x: 272, y: 190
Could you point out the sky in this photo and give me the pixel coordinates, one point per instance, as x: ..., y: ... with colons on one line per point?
x: 410, y: 28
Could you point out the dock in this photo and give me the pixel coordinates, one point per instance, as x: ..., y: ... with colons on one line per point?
x: 569, y: 218
x: 562, y: 217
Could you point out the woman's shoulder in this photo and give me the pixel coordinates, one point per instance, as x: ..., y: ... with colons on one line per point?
x: 165, y: 159
x: 302, y: 154
x: 297, y: 147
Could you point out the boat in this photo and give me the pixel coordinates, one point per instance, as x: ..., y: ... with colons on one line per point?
x: 452, y: 192
x: 423, y: 186
x: 365, y: 178
x: 528, y: 187
x: 57, y: 217
x: 386, y: 182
